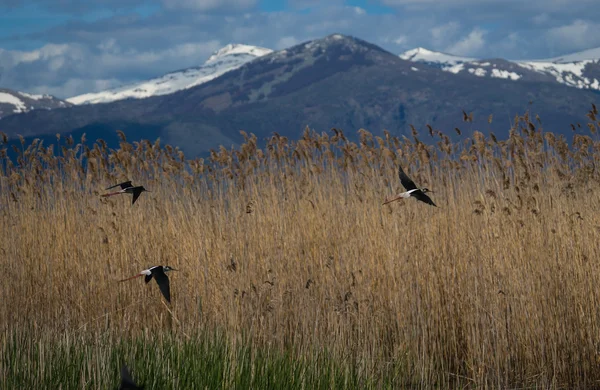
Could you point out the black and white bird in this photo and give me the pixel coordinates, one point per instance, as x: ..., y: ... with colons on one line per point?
x: 159, y: 273
x: 127, y: 188
x: 411, y: 190
x: 127, y: 382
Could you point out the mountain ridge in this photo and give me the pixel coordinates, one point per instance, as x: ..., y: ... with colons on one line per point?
x: 221, y: 61
x: 579, y: 70
x: 336, y: 81
x: 234, y: 55
x: 16, y: 102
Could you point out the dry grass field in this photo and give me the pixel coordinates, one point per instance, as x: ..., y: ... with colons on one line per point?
x: 287, y: 249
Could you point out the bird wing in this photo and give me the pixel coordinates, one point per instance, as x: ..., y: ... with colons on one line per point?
x: 126, y: 380
x: 124, y: 185
x: 148, y: 278
x: 163, y: 283
x: 420, y: 195
x: 137, y: 191
x: 405, y: 180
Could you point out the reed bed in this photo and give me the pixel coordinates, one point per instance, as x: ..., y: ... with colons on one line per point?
x: 286, y: 248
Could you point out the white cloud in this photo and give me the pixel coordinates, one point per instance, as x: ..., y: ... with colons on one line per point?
x: 69, y: 69
x: 469, y: 45
x: 542, y: 4
x: 512, y: 41
x: 243, y: 33
x: 441, y: 35
x: 285, y: 42
x: 359, y: 11
x: 48, y: 52
x: 541, y: 18
x: 304, y: 4
x: 187, y: 54
x: 205, y: 5
x: 328, y: 25
x: 577, y: 35
x: 75, y: 6
x: 108, y: 45
x: 401, y: 40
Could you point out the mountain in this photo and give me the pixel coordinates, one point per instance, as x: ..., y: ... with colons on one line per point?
x: 337, y: 81
x: 14, y: 102
x: 229, y: 57
x: 579, y: 70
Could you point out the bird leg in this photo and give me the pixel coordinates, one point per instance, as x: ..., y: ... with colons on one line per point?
x: 112, y: 193
x: 133, y: 277
x: 395, y: 198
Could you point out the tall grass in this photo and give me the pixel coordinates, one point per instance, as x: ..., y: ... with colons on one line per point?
x: 288, y: 249
x: 164, y: 362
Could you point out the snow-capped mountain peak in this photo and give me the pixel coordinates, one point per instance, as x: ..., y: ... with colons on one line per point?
x: 579, y: 70
x: 421, y: 54
x: 15, y: 102
x: 237, y: 49
x: 230, y: 57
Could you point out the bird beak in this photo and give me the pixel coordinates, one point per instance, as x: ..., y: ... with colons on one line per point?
x: 390, y: 200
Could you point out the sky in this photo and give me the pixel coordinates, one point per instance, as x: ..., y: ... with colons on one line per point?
x: 69, y: 47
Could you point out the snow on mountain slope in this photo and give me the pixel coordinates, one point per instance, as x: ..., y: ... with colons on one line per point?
x: 590, y: 54
x: 579, y: 70
x: 433, y: 57
x: 579, y: 74
x: 225, y: 59
x: 14, y: 102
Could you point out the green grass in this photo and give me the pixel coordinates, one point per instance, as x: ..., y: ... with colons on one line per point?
x: 209, y: 361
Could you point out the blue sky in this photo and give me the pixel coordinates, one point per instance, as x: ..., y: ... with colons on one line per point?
x: 69, y: 47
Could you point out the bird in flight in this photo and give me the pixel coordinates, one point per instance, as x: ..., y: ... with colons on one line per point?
x: 159, y: 273
x: 127, y: 188
x: 411, y: 190
x: 127, y: 382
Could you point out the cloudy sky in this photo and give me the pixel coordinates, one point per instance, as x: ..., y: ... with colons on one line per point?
x: 69, y: 47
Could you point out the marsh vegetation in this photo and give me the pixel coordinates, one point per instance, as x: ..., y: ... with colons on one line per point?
x: 292, y: 274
